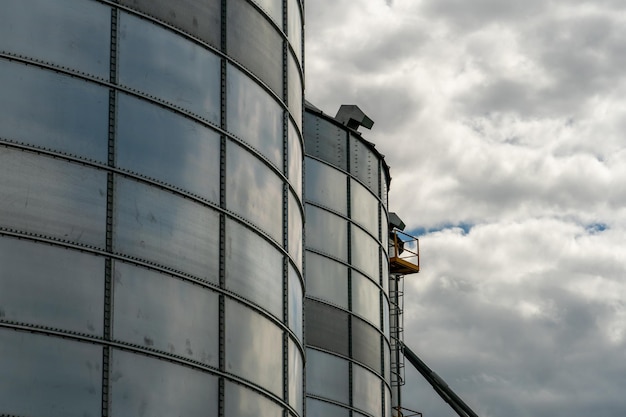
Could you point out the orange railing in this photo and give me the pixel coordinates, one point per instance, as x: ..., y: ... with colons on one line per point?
x: 404, y: 253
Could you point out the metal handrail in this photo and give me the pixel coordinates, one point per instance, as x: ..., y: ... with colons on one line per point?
x: 402, y: 242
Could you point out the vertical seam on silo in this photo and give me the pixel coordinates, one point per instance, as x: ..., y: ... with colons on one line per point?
x: 286, y: 225
x: 222, y: 249
x: 382, y: 274
x: 384, y: 399
x: 108, y: 273
x: 303, y: 268
x: 349, y: 283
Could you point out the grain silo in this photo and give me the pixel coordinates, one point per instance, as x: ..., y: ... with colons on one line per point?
x: 150, y: 207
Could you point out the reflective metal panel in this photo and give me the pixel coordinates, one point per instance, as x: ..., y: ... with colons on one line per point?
x: 295, y: 90
x: 295, y: 230
x: 69, y: 33
x: 157, y: 226
x: 243, y: 402
x: 326, y: 141
x: 386, y: 317
x: 364, y: 207
x: 52, y: 197
x: 254, y: 116
x: 295, y: 162
x: 296, y: 376
x: 385, y: 272
x: 326, y: 327
x: 49, y: 286
x: 384, y: 234
x: 53, y: 111
x: 326, y: 279
x: 274, y: 8
x: 163, y: 145
x: 253, y: 41
x: 253, y: 191
x: 254, y: 347
x: 387, y: 358
x: 326, y: 186
x: 365, y: 253
x: 49, y: 376
x: 201, y: 19
x: 384, y: 188
x: 364, y: 164
x: 327, y: 376
x: 326, y: 232
x: 366, y: 344
x: 295, y: 303
x: 316, y: 408
x: 165, y: 65
x: 144, y: 386
x: 254, y: 268
x: 366, y: 390
x: 365, y: 298
x: 164, y: 313
x: 294, y: 27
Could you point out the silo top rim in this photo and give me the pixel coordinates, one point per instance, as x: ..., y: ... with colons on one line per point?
x: 315, y: 110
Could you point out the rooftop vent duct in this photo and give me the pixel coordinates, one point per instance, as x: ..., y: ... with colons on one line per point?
x: 350, y: 115
x: 396, y: 222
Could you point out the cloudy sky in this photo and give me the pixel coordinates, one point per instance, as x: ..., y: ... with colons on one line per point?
x: 504, y: 123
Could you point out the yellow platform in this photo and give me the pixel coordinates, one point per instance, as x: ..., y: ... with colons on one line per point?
x: 402, y: 267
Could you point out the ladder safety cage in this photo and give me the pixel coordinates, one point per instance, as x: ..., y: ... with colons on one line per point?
x: 396, y: 327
